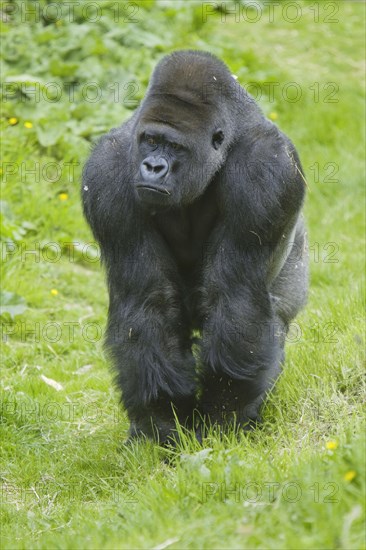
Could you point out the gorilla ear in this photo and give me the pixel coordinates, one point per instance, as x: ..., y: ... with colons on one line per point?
x: 217, y: 138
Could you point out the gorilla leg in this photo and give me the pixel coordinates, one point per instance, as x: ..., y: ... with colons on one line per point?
x: 151, y: 352
x: 242, y: 351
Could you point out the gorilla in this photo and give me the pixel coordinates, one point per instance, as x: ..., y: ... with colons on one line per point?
x: 196, y: 204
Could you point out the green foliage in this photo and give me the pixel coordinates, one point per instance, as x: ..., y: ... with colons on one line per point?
x: 11, y: 304
x: 56, y: 71
x: 10, y: 231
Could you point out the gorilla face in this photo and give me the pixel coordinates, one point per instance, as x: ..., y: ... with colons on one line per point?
x: 176, y: 162
x: 164, y: 156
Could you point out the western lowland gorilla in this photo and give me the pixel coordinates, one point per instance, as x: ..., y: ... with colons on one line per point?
x: 196, y: 204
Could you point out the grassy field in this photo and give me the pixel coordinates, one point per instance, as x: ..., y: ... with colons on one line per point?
x: 67, y: 480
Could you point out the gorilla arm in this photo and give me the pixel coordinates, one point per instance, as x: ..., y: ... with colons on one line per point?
x: 146, y: 335
x: 261, y: 191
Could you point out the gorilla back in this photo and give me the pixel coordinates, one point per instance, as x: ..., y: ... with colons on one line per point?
x: 196, y: 203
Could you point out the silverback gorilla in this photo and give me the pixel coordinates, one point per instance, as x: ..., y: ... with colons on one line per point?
x: 196, y: 202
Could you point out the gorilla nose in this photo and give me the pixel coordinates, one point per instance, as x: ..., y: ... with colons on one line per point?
x: 154, y: 168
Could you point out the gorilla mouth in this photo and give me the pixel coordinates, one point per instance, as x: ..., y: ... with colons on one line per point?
x: 153, y: 195
x: 153, y: 189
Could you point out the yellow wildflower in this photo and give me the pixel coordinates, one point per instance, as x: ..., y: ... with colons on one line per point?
x: 13, y: 120
x: 331, y: 445
x: 63, y: 196
x: 350, y: 475
x: 28, y: 124
x: 273, y: 116
x: 54, y: 292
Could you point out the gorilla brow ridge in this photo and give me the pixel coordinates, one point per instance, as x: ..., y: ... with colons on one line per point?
x: 168, y: 95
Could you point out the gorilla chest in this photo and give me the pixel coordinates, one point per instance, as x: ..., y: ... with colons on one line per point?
x: 186, y: 231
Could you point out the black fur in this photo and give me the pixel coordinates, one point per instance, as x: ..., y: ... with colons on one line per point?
x: 196, y: 201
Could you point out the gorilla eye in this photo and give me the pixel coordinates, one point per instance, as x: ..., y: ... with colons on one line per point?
x: 151, y: 140
x: 175, y: 146
x: 217, y: 139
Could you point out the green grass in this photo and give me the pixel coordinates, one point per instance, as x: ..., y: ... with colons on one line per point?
x: 67, y: 480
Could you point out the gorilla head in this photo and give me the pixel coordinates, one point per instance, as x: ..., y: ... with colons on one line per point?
x: 184, y: 128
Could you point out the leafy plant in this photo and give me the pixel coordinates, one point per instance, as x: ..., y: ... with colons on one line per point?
x: 11, y: 304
